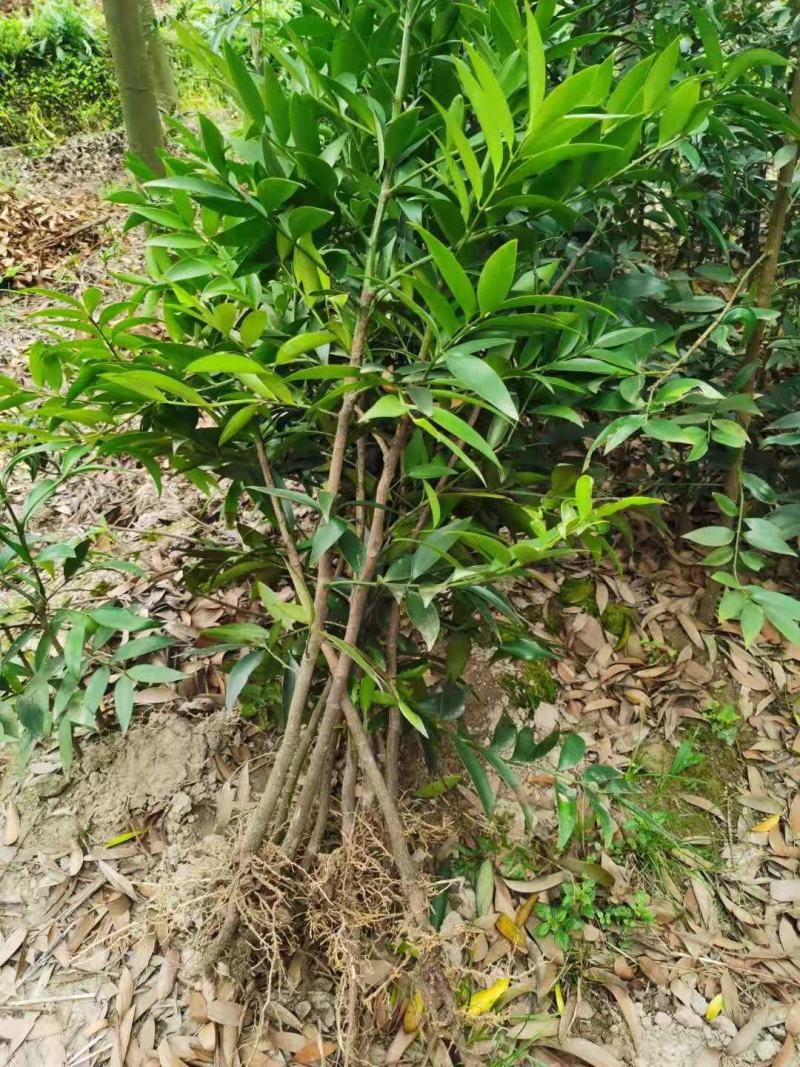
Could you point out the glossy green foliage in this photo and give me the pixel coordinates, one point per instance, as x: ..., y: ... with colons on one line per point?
x: 390, y: 232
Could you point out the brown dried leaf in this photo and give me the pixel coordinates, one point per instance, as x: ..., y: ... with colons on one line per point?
x: 11, y: 829
x: 400, y: 1043
x: 224, y: 806
x: 124, y: 997
x: 167, y: 1057
x: 119, y: 881
x: 316, y: 1050
x: 794, y: 815
x: 653, y: 970
x: 141, y: 954
x: 168, y: 973
x: 785, y: 1057
x: 769, y: 1015
x: 785, y: 890
x: 226, y: 1013
x: 12, y: 943
x: 587, y: 1051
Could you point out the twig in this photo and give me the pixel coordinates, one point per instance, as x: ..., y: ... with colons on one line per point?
x: 579, y: 255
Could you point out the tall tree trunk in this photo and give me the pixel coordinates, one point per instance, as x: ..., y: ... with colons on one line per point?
x: 137, y: 92
x: 752, y: 365
x: 160, y: 67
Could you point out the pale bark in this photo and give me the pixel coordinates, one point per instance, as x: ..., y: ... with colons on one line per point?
x: 136, y: 89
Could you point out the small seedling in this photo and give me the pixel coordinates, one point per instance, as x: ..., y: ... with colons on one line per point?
x: 724, y: 720
x: 579, y: 905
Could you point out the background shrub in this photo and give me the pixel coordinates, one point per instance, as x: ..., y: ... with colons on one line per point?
x: 56, y: 76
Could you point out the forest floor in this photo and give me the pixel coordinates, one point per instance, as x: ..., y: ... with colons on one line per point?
x: 112, y: 878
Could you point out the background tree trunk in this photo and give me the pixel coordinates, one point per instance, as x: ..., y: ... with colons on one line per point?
x: 160, y: 67
x: 136, y: 89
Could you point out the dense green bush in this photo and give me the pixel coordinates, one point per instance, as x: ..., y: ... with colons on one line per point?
x: 53, y: 56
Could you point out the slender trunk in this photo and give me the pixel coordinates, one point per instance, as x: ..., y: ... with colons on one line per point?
x: 752, y: 365
x: 160, y: 66
x: 137, y: 93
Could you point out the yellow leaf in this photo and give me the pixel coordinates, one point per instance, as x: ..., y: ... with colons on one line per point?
x: 413, y: 1013
x: 716, y: 1005
x: 485, y: 999
x: 559, y: 998
x: 120, y: 839
x: 524, y: 910
x: 511, y: 932
x: 768, y: 824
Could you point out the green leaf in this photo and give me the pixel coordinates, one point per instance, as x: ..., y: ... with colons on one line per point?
x: 752, y: 57
x: 537, y: 78
x: 252, y: 327
x: 73, y: 647
x: 726, y: 505
x: 710, y: 536
x: 238, y: 633
x: 32, y: 708
x: 306, y: 219
x: 678, y: 109
x: 154, y: 674
x: 120, y: 619
x: 483, y: 112
x: 302, y: 343
x: 729, y: 433
x: 446, y: 703
x: 245, y: 86
x: 274, y: 192
x: 424, y: 617
x: 452, y: 272
x: 572, y: 751
x: 731, y: 604
x: 524, y: 648
x: 95, y: 690
x: 567, y: 811
x: 224, y: 363
x: 751, y: 620
x: 390, y: 406
x: 480, y: 378
x: 238, y: 676
x: 141, y: 646
x: 765, y: 536
x: 527, y: 749
x: 153, y: 385
x: 476, y: 772
x: 325, y: 537
x: 237, y: 422
x: 660, y: 75
x: 484, y: 888
x: 464, y: 433
x: 710, y: 39
x: 123, y: 701
x: 497, y: 277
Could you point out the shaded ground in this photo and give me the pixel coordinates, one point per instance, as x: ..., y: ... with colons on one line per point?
x: 111, y: 882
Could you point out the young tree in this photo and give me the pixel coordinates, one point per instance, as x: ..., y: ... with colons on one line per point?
x: 137, y: 89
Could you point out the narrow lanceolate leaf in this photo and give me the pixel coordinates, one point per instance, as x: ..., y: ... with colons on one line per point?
x: 477, y: 376
x: 476, y: 772
x: 483, y: 111
x: 123, y: 701
x: 495, y: 97
x: 469, y: 160
x: 304, y: 342
x: 497, y: 277
x: 240, y: 672
x: 454, y: 275
x: 536, y: 65
x: 464, y: 433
